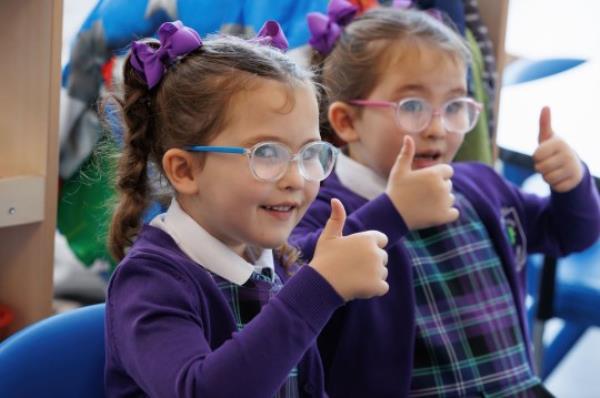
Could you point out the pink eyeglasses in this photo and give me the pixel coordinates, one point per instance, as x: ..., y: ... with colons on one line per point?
x: 459, y: 115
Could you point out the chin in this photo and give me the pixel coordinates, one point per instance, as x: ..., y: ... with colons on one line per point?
x: 271, y: 242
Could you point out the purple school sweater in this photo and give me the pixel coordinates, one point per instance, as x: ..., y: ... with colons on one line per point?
x: 170, y: 331
x: 367, y: 347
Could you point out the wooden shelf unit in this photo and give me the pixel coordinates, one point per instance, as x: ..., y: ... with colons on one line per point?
x: 30, y: 36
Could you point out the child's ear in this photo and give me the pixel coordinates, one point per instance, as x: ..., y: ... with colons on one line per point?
x: 180, y: 168
x: 342, y: 118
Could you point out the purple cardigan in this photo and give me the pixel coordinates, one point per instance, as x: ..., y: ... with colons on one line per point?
x: 367, y: 347
x: 170, y: 332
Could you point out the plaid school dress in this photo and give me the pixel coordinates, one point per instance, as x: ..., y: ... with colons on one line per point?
x: 246, y: 301
x: 468, y: 341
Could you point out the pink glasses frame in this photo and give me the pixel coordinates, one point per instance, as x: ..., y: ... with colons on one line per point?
x: 395, y: 105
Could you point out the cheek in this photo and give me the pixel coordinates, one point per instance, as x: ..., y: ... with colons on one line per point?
x: 311, y: 190
x: 388, y: 151
x: 245, y: 191
x: 454, y: 143
x: 258, y: 192
x: 385, y: 141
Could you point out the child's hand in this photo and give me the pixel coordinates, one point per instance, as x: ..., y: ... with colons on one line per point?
x: 554, y: 159
x: 355, y: 264
x: 422, y: 197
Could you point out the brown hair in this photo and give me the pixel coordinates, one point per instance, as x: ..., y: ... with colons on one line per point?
x: 188, y: 106
x: 353, y: 67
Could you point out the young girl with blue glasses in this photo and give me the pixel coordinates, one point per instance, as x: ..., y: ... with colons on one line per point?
x: 208, y: 300
x: 453, y: 323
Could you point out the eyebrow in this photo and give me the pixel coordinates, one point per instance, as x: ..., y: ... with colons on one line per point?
x: 408, y: 87
x: 417, y: 87
x: 459, y: 91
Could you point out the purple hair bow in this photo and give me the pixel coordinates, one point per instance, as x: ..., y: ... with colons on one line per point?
x: 176, y: 40
x: 325, y: 29
x: 272, y: 35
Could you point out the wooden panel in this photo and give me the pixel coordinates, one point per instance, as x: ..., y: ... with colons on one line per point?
x: 30, y: 37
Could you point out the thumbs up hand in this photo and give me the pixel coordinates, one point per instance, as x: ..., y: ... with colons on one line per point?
x: 355, y: 264
x: 422, y: 197
x: 554, y: 159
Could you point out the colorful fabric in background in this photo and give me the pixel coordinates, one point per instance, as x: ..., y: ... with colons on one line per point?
x: 84, y: 206
x: 87, y: 191
x: 477, y: 144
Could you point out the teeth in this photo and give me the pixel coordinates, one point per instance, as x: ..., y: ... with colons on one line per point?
x: 279, y: 208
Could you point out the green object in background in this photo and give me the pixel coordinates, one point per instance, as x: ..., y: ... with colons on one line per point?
x: 85, y: 206
x: 476, y: 145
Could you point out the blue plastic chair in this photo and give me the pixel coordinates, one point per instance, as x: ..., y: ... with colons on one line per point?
x: 61, y: 356
x: 568, y: 289
x: 525, y: 70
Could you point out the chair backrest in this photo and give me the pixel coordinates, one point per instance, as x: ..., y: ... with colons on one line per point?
x: 61, y: 356
x: 525, y: 70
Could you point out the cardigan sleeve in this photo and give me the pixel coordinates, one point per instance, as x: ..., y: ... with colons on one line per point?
x: 558, y: 224
x: 158, y: 330
x: 563, y: 222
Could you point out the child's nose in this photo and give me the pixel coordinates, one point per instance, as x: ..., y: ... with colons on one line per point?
x: 436, y: 128
x: 293, y: 178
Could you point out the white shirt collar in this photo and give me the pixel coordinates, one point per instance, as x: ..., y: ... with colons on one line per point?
x: 359, y: 178
x: 205, y: 249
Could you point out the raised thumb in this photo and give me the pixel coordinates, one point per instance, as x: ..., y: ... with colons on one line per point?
x: 545, y: 125
x: 335, y: 225
x: 405, y: 158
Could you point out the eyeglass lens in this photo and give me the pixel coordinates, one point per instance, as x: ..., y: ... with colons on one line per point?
x: 269, y: 161
x: 458, y: 116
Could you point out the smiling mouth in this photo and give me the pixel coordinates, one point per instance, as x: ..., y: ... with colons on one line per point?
x: 280, y: 208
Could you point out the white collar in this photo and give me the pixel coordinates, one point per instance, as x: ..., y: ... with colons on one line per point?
x: 359, y: 178
x: 205, y: 249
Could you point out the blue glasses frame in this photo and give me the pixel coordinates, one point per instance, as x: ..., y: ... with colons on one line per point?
x: 249, y: 153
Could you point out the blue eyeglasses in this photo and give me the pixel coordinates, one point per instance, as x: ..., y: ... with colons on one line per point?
x: 269, y: 161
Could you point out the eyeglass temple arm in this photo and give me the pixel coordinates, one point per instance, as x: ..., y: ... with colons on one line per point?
x: 379, y: 104
x: 478, y: 105
x: 220, y: 149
